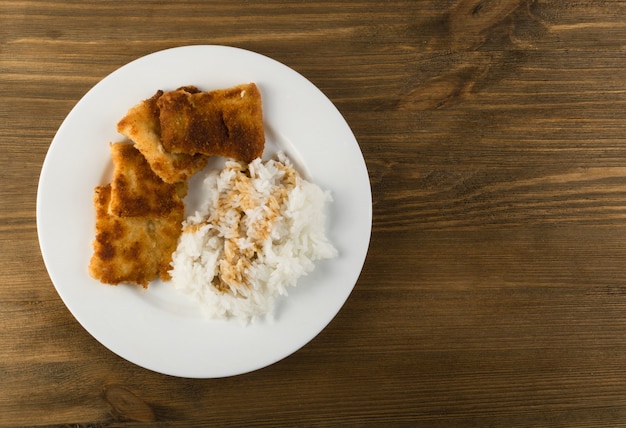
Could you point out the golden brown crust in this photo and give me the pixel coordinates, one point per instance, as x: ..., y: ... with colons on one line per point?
x: 142, y: 126
x: 132, y: 250
x: 136, y: 190
x: 225, y: 122
x: 138, y: 222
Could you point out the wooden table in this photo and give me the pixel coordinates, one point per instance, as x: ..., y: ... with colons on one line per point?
x: 494, y: 290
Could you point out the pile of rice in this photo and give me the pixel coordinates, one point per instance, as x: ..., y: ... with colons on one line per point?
x: 261, y: 227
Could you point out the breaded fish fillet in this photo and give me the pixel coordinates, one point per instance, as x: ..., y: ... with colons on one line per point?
x: 142, y: 126
x: 226, y: 122
x: 132, y: 250
x: 136, y: 190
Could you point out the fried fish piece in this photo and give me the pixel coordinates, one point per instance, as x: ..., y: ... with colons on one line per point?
x: 225, y: 122
x: 142, y: 126
x: 133, y: 250
x: 136, y: 190
x: 138, y: 221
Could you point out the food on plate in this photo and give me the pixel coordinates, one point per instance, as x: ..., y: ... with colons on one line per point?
x: 138, y: 218
x: 139, y: 213
x: 261, y: 227
x: 142, y: 126
x: 136, y: 190
x: 132, y: 250
x: 225, y: 122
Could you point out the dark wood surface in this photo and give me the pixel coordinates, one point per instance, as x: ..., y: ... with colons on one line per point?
x: 494, y: 291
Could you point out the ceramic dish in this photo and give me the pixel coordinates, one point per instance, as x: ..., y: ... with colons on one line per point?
x: 159, y: 328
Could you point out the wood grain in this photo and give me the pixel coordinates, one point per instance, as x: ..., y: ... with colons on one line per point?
x: 494, y: 291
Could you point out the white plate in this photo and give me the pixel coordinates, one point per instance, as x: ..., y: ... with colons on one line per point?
x: 160, y: 329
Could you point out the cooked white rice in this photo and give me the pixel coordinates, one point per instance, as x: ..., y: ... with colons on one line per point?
x: 261, y: 228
